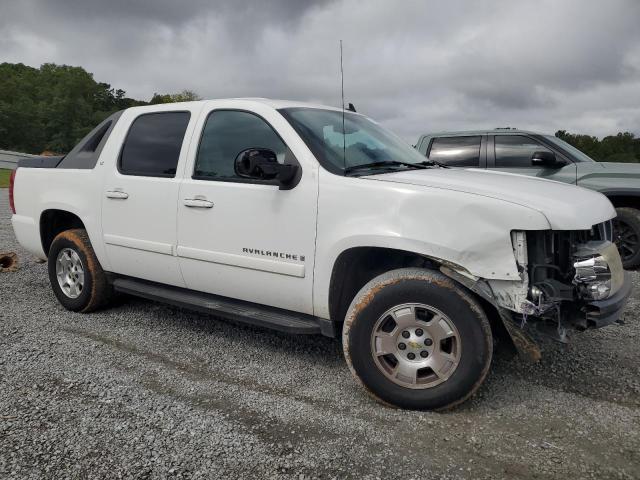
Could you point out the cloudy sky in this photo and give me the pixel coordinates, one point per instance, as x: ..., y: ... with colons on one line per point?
x: 416, y: 66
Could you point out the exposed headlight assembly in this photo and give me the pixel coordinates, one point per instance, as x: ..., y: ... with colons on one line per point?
x: 598, y: 270
x: 594, y: 276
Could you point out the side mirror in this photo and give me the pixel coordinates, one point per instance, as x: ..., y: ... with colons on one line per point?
x: 262, y: 164
x: 545, y: 158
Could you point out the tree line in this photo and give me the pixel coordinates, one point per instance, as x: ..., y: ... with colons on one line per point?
x: 623, y: 147
x: 54, y: 106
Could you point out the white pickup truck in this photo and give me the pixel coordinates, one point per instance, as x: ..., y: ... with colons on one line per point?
x: 308, y: 219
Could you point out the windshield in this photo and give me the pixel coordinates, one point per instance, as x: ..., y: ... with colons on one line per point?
x: 577, y: 154
x: 364, y: 141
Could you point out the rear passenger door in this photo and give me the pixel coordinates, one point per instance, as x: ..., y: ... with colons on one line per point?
x: 512, y: 153
x: 458, y: 151
x: 140, y: 195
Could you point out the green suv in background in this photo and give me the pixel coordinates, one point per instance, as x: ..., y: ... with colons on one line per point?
x: 545, y: 156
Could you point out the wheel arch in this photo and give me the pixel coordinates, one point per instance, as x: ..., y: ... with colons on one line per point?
x: 356, y: 266
x: 345, y: 285
x: 54, y: 221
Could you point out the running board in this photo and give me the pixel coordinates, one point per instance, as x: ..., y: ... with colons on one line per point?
x: 238, y: 310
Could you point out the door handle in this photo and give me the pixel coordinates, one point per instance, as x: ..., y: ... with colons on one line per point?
x: 117, y: 194
x: 198, y: 203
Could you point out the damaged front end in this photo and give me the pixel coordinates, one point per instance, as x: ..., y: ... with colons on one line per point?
x: 569, y: 281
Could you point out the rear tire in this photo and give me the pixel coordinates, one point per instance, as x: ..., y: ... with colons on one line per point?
x: 626, y: 234
x: 416, y: 340
x: 76, y: 276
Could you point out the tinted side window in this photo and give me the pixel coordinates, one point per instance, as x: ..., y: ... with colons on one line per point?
x: 86, y: 153
x: 153, y: 144
x: 516, y: 150
x: 226, y: 134
x: 94, y: 141
x: 456, y: 151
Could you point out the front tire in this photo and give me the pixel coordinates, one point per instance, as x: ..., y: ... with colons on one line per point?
x: 76, y: 277
x: 417, y: 340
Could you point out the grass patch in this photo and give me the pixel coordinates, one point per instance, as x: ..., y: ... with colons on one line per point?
x: 4, y: 178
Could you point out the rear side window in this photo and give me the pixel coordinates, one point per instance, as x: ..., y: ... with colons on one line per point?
x: 516, y: 150
x: 86, y: 153
x: 94, y: 141
x: 456, y: 151
x: 153, y: 144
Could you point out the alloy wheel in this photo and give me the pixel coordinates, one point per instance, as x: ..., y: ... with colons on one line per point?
x: 415, y: 346
x: 70, y: 272
x: 625, y: 238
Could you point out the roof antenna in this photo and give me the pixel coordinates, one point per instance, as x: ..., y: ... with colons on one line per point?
x: 344, y: 140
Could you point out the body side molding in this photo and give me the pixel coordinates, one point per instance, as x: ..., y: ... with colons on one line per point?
x: 137, y: 244
x: 243, y: 261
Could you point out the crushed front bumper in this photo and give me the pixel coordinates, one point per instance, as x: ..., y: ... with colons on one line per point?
x: 605, y: 312
x: 594, y: 314
x: 526, y: 331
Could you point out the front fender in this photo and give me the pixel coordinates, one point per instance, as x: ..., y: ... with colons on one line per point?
x: 451, y: 227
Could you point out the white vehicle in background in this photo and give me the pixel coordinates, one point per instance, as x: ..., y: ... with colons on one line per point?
x: 308, y: 219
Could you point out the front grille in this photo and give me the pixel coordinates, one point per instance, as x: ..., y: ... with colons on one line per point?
x: 604, y: 231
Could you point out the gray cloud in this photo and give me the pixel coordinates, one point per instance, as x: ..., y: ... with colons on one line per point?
x: 171, y: 13
x: 413, y: 65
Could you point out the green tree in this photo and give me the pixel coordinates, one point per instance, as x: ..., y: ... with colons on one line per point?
x: 183, y: 96
x: 622, y: 147
x: 54, y: 106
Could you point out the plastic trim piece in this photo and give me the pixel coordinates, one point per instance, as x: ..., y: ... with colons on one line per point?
x: 605, y: 312
x: 243, y: 261
x: 137, y: 244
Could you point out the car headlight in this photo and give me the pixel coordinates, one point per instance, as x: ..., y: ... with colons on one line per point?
x: 595, y: 277
x: 600, y: 274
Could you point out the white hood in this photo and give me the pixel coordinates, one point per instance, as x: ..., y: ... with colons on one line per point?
x: 566, y: 207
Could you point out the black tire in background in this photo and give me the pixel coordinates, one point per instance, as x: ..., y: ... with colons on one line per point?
x: 626, y: 235
x: 418, y: 286
x: 96, y: 290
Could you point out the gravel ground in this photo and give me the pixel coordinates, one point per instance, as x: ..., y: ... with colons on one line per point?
x: 149, y: 391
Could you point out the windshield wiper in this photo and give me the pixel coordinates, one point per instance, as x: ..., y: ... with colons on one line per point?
x: 384, y: 163
x: 431, y: 163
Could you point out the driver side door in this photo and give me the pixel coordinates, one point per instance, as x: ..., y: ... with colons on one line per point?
x: 245, y: 238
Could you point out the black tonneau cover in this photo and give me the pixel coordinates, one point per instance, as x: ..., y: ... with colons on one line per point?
x: 40, y: 162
